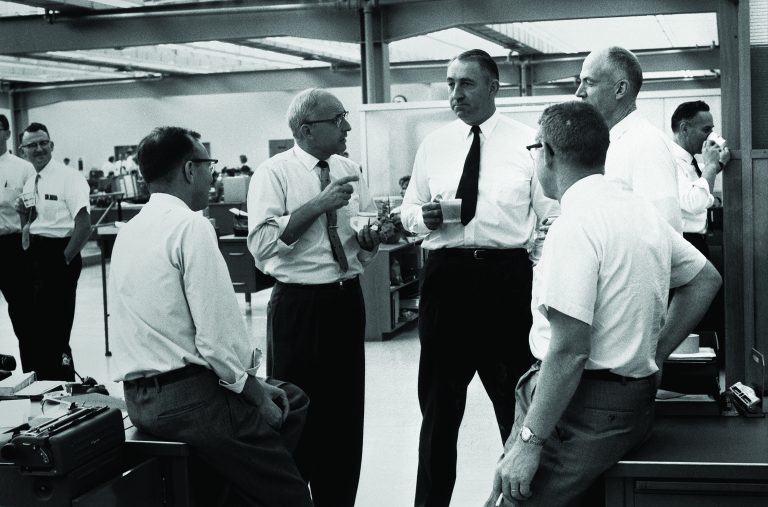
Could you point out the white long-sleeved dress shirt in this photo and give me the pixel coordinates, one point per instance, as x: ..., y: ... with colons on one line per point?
x: 695, y: 195
x: 171, y: 298
x: 510, y: 201
x: 14, y: 172
x: 280, y: 186
x: 640, y: 158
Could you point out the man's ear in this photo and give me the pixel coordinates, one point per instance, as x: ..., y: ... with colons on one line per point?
x: 188, y: 171
x: 549, y: 154
x: 494, y: 86
x: 306, y: 130
x: 683, y: 128
x: 622, y: 88
x: 51, y: 145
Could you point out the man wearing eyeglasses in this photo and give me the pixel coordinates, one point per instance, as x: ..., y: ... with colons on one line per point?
x: 474, y: 313
x: 56, y: 224
x: 14, y: 172
x: 300, y: 203
x: 181, y: 347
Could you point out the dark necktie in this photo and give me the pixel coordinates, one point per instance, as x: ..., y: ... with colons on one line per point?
x: 333, y: 234
x: 467, y: 190
x: 696, y: 167
x: 31, y: 216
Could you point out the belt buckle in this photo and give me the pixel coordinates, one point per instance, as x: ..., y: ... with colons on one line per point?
x: 341, y: 283
x: 478, y: 254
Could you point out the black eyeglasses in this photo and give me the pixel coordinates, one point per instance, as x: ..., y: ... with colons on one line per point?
x: 533, y: 149
x: 336, y: 119
x: 31, y: 146
x: 210, y: 161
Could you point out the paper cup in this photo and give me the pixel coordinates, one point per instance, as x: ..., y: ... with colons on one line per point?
x: 29, y: 198
x: 451, y: 209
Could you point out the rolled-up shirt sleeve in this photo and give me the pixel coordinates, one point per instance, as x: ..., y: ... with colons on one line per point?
x: 221, y: 337
x: 267, y: 215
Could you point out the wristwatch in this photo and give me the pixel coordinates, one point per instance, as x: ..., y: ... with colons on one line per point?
x: 527, y: 436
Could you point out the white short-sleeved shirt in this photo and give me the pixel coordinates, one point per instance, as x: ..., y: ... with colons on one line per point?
x: 171, y: 298
x: 609, y: 260
x: 509, y: 197
x: 14, y: 172
x: 280, y: 186
x: 640, y: 158
x: 695, y: 195
x: 61, y: 194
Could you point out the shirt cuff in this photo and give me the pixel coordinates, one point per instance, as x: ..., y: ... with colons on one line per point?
x: 238, y: 385
x: 282, y: 223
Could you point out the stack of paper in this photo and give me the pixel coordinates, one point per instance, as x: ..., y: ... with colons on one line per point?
x: 16, y: 382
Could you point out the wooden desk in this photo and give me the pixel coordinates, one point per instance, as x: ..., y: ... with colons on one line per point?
x: 697, y: 461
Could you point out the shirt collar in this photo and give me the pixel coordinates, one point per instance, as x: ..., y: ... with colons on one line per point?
x: 625, y: 124
x: 582, y: 187
x: 486, y: 128
x: 167, y: 199
x: 308, y: 161
x: 680, y: 152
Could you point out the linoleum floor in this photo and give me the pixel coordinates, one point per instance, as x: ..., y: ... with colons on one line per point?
x: 392, y: 417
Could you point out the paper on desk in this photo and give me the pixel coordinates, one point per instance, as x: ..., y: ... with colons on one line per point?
x: 40, y: 387
x: 703, y: 353
x: 14, y: 413
x: 238, y: 212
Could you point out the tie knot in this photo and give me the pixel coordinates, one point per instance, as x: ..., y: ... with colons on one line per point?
x: 322, y: 164
x: 475, y: 129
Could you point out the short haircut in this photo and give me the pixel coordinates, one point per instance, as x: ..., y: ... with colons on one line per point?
x: 686, y: 111
x: 483, y: 59
x: 4, y: 125
x: 34, y: 127
x: 578, y: 131
x: 302, y: 106
x: 627, y: 63
x: 111, y: 159
x: 162, y: 152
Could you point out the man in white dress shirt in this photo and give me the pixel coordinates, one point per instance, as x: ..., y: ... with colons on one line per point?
x: 300, y: 203
x: 474, y: 311
x: 58, y: 226
x: 606, y: 268
x: 14, y: 285
x: 180, y: 344
x: 639, y: 156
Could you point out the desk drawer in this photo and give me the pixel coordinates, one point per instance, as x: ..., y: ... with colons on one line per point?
x: 241, y: 267
x: 700, y: 494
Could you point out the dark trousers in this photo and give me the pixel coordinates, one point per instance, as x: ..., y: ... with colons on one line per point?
x: 474, y: 316
x: 54, y: 290
x: 315, y: 338
x: 604, y: 420
x: 714, y: 319
x: 226, y: 432
x: 15, y: 284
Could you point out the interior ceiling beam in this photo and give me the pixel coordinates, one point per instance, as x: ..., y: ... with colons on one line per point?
x: 320, y: 55
x: 408, y: 20
x: 123, y: 29
x: 489, y: 34
x: 132, y: 66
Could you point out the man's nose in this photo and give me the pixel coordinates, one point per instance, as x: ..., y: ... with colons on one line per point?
x: 580, y: 90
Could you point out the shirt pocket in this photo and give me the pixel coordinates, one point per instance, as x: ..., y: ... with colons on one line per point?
x: 507, y: 192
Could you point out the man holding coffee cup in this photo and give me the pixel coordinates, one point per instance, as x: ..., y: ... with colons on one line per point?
x: 54, y: 212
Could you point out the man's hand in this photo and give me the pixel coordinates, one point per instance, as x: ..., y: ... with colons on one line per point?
x: 710, y: 153
x: 271, y: 401
x: 514, y: 474
x: 336, y: 195
x: 725, y: 156
x: 432, y: 215
x: 367, y: 238
x: 18, y: 205
x: 278, y: 398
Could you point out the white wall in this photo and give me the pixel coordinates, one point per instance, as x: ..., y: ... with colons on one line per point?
x: 233, y: 123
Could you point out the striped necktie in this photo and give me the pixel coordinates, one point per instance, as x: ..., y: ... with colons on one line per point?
x: 333, y: 235
x: 31, y: 216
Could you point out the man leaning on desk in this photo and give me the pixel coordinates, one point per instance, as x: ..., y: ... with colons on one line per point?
x: 181, y: 348
x: 606, y: 268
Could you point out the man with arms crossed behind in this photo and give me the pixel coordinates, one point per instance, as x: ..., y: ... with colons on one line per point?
x: 639, y: 156
x: 477, y: 278
x: 607, y: 265
x: 181, y: 348
x: 300, y: 203
x: 57, y: 228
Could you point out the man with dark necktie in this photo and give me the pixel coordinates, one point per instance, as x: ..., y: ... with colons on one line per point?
x: 300, y: 203
x: 692, y: 124
x: 474, y: 314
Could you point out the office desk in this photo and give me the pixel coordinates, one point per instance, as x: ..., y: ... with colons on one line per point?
x: 697, y: 461
x: 242, y: 268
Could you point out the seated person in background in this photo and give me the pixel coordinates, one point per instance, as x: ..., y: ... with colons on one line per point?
x: 181, y: 348
x: 606, y: 268
x: 403, y: 182
x: 244, y: 167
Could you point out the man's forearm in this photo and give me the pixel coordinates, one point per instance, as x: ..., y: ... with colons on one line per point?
x: 299, y: 222
x: 80, y: 236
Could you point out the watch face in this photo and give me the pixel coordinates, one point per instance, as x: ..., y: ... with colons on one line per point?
x: 526, y: 434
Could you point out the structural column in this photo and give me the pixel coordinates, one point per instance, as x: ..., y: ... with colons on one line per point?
x: 375, y: 57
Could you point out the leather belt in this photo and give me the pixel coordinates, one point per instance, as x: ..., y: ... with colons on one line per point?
x: 169, y: 377
x: 608, y: 375
x: 347, y: 283
x: 481, y: 254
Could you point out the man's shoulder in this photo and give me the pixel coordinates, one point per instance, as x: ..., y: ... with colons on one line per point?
x: 519, y: 127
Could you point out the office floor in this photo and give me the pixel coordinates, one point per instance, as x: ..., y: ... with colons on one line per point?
x: 392, y: 417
